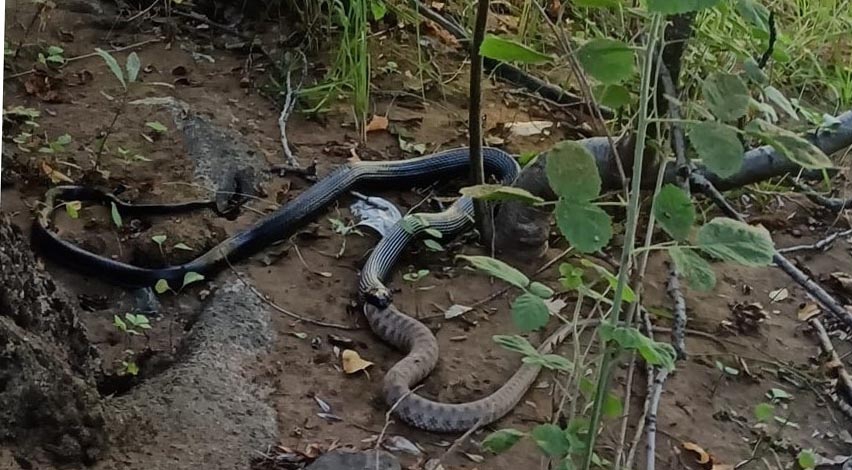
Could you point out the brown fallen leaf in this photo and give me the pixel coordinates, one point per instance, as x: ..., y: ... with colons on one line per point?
x: 55, y: 175
x: 352, y: 362
x: 442, y: 34
x: 703, y: 457
x: 809, y: 311
x: 378, y: 123
x: 719, y: 466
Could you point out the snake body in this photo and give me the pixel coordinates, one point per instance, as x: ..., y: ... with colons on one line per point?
x: 386, y: 321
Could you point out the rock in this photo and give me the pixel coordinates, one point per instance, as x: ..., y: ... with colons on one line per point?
x: 355, y: 460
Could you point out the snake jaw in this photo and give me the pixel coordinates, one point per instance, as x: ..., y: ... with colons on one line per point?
x: 379, y: 297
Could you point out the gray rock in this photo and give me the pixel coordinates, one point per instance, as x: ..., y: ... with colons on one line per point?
x: 354, y: 460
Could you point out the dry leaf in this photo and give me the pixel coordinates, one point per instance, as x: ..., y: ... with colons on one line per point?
x: 808, y: 311
x: 703, y: 457
x: 378, y: 123
x: 474, y: 457
x: 456, y: 310
x: 352, y: 362
x: 55, y: 175
x: 779, y: 294
x: 401, y: 444
x: 526, y: 129
x: 718, y: 466
x: 442, y: 34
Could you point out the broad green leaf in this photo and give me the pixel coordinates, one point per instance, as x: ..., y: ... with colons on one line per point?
x: 116, y: 216
x: 379, y: 9
x: 432, y: 245
x: 726, y: 95
x: 506, y: 50
x: 183, y: 246
x: 502, y: 440
x: 119, y: 323
x: 607, y: 60
x: 515, y: 343
x: 498, y: 192
x: 669, y: 7
x: 434, y: 233
x: 72, y: 208
x: 718, y: 146
x: 529, y: 312
x: 498, y: 269
x: 191, y: 277
x: 132, y: 66
x: 778, y: 98
x: 130, y: 367
x: 631, y: 339
x: 674, y: 211
x: 572, y: 276
x: 754, y: 13
x: 613, y: 96
x: 731, y: 240
x: 612, y: 406
x: 628, y: 295
x: 586, y: 226
x: 764, y: 412
x: 549, y: 361
x: 697, y: 272
x: 159, y: 239
x: 790, y: 145
x: 540, y: 290
x: 63, y: 139
x: 754, y: 72
x: 161, y: 286
x: 551, y: 439
x: 806, y: 459
x: 55, y: 50
x: 113, y: 66
x: 573, y: 172
x: 157, y: 126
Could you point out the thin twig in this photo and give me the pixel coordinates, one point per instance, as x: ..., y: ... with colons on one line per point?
x: 286, y: 110
x: 821, y: 245
x: 91, y: 54
x: 651, y: 419
x: 283, y: 310
x: 831, y: 203
x: 843, y: 393
x: 458, y: 442
x: 811, y: 286
x: 679, y: 324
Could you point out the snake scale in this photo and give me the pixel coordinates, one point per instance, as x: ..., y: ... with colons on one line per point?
x: 386, y: 321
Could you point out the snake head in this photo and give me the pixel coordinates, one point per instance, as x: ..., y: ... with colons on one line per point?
x: 379, y: 297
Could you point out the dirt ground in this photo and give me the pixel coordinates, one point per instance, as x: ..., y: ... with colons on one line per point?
x: 700, y: 403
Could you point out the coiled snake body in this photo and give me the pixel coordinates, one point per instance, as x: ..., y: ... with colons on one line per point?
x: 385, y: 320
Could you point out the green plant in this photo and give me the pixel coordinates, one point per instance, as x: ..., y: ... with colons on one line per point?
x: 53, y: 55
x: 128, y: 156
x: 131, y: 325
x: 162, y: 286
x: 344, y: 229
x: 125, y: 77
x: 415, y: 276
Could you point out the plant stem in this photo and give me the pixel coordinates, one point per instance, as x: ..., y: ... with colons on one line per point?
x: 109, y: 129
x: 604, y: 373
x: 477, y: 167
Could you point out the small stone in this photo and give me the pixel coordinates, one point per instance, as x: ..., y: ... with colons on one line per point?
x: 796, y: 233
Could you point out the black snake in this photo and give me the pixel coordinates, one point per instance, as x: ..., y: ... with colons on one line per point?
x: 385, y: 320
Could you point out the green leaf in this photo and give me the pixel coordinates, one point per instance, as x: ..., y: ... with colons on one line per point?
x: 515, y: 343
x: 627, y: 295
x: 674, y: 211
x: 631, y: 339
x: 116, y: 216
x: 159, y: 239
x: 718, y: 146
x: 754, y: 72
x: 498, y: 269
x: 113, y: 66
x: 806, y: 459
x: 697, y: 272
x: 55, y: 50
x: 434, y: 233
x: 63, y: 139
x: 502, y: 440
x: 497, y: 192
x: 612, y: 406
x: 506, y: 50
x: 72, y: 208
x: 549, y: 361
x: 432, y: 245
x: 132, y: 66
x: 607, y: 60
x: 130, y: 367
x: 161, y: 286
x: 613, y: 96
x: 119, y: 323
x: 551, y: 439
x: 774, y: 95
x: 679, y: 6
x: 755, y: 13
x: 572, y: 276
x: 379, y: 9
x: 777, y: 394
x: 183, y: 246
x: 191, y: 277
x: 790, y: 145
x: 586, y: 226
x: 157, y: 126
x: 573, y: 172
x: 540, y: 290
x: 596, y: 3
x: 731, y: 240
x: 726, y: 95
x: 529, y: 312
x: 764, y: 412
